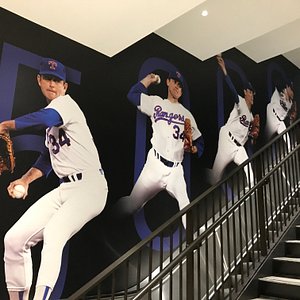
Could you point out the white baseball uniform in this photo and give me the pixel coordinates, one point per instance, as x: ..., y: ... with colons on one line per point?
x: 163, y: 169
x: 232, y: 138
x: 277, y: 111
x: 62, y: 212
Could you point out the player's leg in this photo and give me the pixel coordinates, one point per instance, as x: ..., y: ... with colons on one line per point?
x: 272, y: 123
x: 224, y: 156
x: 79, y: 204
x: 143, y: 190
x: 176, y: 187
x: 148, y: 184
x: 286, y: 137
x: 23, y: 235
x: 240, y: 157
x: 19, y: 295
x: 42, y: 293
x: 218, y: 168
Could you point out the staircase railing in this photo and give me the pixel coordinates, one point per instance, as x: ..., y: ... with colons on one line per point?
x: 230, y: 229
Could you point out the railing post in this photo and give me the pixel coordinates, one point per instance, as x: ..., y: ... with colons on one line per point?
x: 261, y: 207
x: 190, y: 257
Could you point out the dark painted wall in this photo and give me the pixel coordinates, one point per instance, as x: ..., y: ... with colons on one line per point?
x: 104, y: 83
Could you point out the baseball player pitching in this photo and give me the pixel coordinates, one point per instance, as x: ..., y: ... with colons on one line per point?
x: 279, y: 108
x: 163, y: 169
x: 235, y: 132
x: 61, y: 213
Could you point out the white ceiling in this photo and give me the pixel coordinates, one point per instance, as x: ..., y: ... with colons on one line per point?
x: 261, y: 29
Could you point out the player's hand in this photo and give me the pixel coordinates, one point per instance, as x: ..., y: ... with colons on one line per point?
x: 150, y: 79
x: 190, y: 148
x: 194, y: 149
x: 155, y: 79
x: 186, y: 145
x: 3, y: 129
x: 10, y: 188
x: 221, y: 63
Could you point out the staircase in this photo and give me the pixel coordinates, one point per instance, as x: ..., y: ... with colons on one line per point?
x: 249, y: 248
x: 280, y: 278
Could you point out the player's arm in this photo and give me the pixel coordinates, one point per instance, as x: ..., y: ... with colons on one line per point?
x: 41, y: 167
x: 199, y: 143
x: 31, y: 175
x: 228, y: 80
x: 43, y: 118
x: 293, y: 112
x: 134, y: 94
x: 43, y: 162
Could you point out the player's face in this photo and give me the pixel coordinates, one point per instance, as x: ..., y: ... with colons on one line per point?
x: 290, y: 93
x: 51, y: 87
x: 174, y: 89
x: 249, y: 96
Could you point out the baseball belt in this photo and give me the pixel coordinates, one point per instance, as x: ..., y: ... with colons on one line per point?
x: 276, y: 115
x: 166, y: 162
x: 234, y: 140
x: 76, y: 177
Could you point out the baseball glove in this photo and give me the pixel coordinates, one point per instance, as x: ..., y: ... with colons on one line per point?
x: 188, y: 139
x: 254, y: 127
x: 7, y: 159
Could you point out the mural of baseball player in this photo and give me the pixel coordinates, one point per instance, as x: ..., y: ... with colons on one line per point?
x: 281, y: 110
x: 62, y: 212
x: 163, y: 169
x: 234, y: 134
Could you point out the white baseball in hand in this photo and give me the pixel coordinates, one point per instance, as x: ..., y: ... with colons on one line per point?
x: 157, y: 79
x: 19, y: 191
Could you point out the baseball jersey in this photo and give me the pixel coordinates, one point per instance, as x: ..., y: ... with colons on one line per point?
x: 71, y: 146
x: 168, y: 125
x: 280, y: 105
x: 239, y: 121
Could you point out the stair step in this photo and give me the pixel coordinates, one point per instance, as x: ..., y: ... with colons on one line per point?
x: 292, y: 248
x: 282, y: 287
x: 283, y: 280
x: 298, y: 231
x: 287, y: 266
x: 288, y: 259
x: 268, y: 298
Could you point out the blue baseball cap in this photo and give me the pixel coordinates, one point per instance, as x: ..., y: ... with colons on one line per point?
x: 282, y: 83
x: 49, y: 66
x: 249, y: 86
x: 176, y: 75
x: 289, y: 82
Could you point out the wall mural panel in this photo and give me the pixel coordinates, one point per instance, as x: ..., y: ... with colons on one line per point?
x: 122, y: 133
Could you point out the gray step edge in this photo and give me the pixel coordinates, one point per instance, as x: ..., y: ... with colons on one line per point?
x: 282, y: 280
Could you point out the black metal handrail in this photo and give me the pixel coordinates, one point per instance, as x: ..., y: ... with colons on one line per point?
x: 230, y: 229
